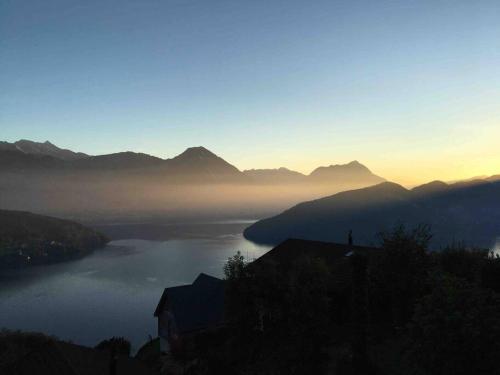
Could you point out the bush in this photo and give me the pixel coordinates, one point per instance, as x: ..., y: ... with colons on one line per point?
x: 398, y: 277
x: 456, y: 330
x: 461, y: 262
x: 115, y: 345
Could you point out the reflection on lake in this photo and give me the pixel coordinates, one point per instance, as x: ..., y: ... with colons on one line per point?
x: 112, y: 292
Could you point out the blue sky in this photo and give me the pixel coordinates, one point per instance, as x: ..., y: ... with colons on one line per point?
x: 410, y: 88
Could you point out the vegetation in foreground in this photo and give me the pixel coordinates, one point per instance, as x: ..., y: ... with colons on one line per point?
x: 404, y: 310
x: 34, y: 353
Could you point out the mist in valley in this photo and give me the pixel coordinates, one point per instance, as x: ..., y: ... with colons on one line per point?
x: 107, y: 197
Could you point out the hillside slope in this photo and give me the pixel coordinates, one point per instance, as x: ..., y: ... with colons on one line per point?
x: 26, y: 239
x: 468, y: 213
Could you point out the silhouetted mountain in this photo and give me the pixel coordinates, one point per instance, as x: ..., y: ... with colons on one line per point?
x: 353, y: 172
x: 20, y: 161
x: 194, y: 164
x: 42, y: 149
x: 431, y: 188
x: 469, y: 183
x: 330, y: 218
x: 470, y: 214
x: 275, y: 176
x: 195, y: 180
x: 202, y: 162
x: 118, y: 161
x: 465, y: 180
x: 12, y: 159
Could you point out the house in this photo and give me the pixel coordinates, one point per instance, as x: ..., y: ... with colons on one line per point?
x: 337, y: 258
x: 292, y: 249
x: 334, y: 255
x: 195, y: 307
x: 200, y: 305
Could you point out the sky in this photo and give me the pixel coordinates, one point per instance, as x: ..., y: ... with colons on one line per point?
x: 409, y: 88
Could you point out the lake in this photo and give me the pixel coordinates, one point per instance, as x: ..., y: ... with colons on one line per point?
x: 114, y: 291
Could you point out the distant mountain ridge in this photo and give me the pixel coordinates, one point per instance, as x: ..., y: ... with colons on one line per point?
x: 431, y: 187
x: 353, y: 172
x: 279, y: 175
x: 41, y: 177
x: 117, y: 161
x: 195, y: 163
x: 25, y: 155
x: 42, y: 149
x: 469, y: 213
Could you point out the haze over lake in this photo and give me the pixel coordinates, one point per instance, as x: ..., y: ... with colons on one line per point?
x: 114, y: 291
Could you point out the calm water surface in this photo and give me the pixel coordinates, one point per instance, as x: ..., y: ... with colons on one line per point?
x: 114, y: 291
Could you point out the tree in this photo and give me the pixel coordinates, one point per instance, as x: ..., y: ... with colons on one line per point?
x: 234, y: 268
x: 116, y: 345
x: 278, y: 315
x: 461, y: 262
x: 359, y: 310
x: 307, y: 315
x: 456, y: 329
x: 398, y: 275
x: 490, y: 273
x: 478, y: 266
x: 240, y: 301
x: 293, y: 306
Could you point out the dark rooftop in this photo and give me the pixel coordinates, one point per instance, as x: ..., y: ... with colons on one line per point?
x: 292, y: 249
x: 336, y: 257
x: 196, y: 306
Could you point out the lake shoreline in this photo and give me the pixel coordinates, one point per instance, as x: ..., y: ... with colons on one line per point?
x: 113, y: 291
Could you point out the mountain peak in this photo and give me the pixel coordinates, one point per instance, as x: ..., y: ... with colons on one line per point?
x: 351, y: 165
x: 196, y: 160
x: 387, y: 186
x: 198, y: 151
x: 351, y: 172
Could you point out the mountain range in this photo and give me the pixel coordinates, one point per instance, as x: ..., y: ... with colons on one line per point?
x: 43, y: 178
x: 353, y: 172
x: 461, y: 212
x: 194, y: 164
